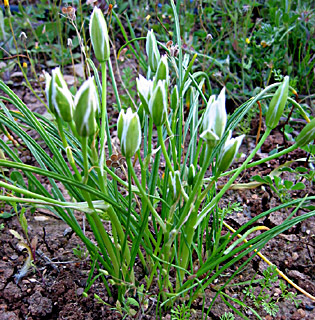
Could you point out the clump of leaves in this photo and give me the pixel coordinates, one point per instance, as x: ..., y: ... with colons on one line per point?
x: 227, y: 316
x: 263, y: 298
x: 180, y: 312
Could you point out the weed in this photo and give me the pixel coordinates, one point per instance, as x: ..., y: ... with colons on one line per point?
x: 180, y: 312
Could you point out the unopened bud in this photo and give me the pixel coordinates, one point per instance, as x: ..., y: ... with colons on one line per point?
x: 174, y: 99
x: 158, y: 104
x: 277, y: 103
x: 307, y: 134
x: 99, y: 35
x: 152, y: 51
x: 214, y: 120
x: 86, y: 106
x: 191, y: 174
x: 174, y: 184
x: 229, y: 152
x: 59, y: 98
x: 129, y: 132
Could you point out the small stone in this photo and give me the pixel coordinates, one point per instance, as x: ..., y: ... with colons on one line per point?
x: 80, y: 291
x: 309, y: 307
x: 298, y: 314
x: 14, y: 257
x: 277, y: 292
x: 268, y: 317
x: 295, y: 256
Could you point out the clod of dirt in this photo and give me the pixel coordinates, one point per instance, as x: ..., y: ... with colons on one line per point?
x: 38, y: 305
x: 8, y: 316
x: 12, y: 292
x: 5, y: 274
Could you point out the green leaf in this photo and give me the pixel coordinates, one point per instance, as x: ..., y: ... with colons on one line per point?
x: 132, y: 302
x: 6, y: 215
x: 299, y: 186
x: 286, y: 169
x: 288, y: 184
x: 277, y: 181
x: 259, y: 179
x: 23, y: 221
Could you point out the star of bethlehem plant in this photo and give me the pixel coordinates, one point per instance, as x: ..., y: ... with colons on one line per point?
x: 165, y: 215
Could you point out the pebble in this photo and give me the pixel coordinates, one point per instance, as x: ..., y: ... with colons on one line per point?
x: 14, y: 257
x: 299, y: 314
x: 277, y: 292
x: 295, y: 256
x: 309, y: 308
x: 80, y: 291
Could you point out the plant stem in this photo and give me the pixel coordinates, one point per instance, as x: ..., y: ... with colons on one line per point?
x: 216, y: 199
x: 103, y: 121
x: 68, y: 150
x: 99, y: 231
x: 256, y: 163
x: 162, y: 144
x: 144, y: 196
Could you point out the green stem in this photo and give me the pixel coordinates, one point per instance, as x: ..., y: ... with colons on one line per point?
x: 103, y: 121
x: 194, y: 191
x: 216, y: 199
x: 256, y: 163
x: 99, y: 231
x: 150, y: 135
x: 111, y: 73
x: 145, y: 197
x: 68, y: 150
x: 172, y: 142
x: 162, y: 144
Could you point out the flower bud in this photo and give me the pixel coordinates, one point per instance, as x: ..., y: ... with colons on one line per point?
x: 144, y: 88
x: 229, y: 152
x: 129, y: 132
x: 174, y: 99
x: 191, y: 174
x: 307, y: 134
x: 59, y: 98
x: 99, y: 35
x: 86, y: 106
x: 158, y: 104
x: 48, y: 90
x: 174, y: 184
x: 152, y: 51
x: 162, y: 72
x: 214, y: 120
x: 277, y: 103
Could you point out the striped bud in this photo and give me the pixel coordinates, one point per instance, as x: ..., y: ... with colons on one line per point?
x: 59, y: 98
x: 277, y: 103
x: 152, y: 51
x: 158, y: 104
x: 86, y: 108
x: 214, y: 120
x: 99, y: 35
x: 129, y: 132
x: 307, y: 134
x: 228, y: 152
